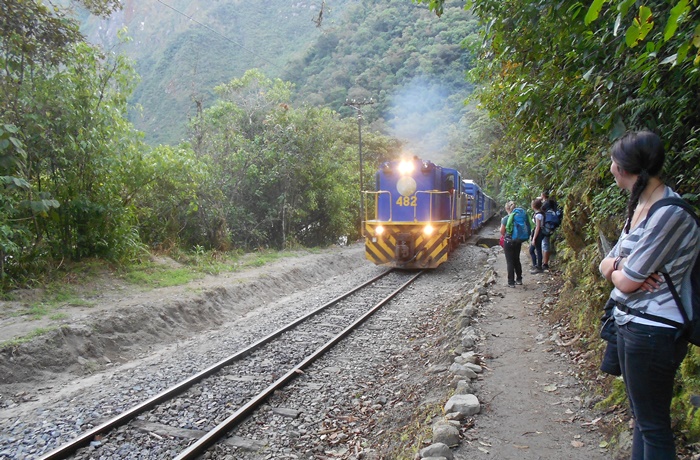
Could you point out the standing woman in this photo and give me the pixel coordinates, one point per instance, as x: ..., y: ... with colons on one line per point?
x: 512, y: 251
x: 649, y: 352
x: 537, y: 237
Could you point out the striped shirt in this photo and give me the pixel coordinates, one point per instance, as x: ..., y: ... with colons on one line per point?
x: 666, y: 242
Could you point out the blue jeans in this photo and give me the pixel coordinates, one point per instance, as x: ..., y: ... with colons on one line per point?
x: 536, y: 251
x: 649, y: 357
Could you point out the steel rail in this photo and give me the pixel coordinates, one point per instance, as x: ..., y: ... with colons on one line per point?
x: 206, y: 441
x: 84, y: 439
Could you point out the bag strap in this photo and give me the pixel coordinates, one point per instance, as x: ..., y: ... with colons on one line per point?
x: 509, y: 222
x: 658, y: 319
x: 677, y: 298
x: 673, y: 201
x: 669, y: 201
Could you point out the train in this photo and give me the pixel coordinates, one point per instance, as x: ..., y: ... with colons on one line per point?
x: 419, y: 213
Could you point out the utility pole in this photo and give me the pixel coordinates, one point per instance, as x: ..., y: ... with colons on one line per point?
x: 357, y: 105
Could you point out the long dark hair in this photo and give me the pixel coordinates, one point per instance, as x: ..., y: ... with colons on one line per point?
x: 640, y: 153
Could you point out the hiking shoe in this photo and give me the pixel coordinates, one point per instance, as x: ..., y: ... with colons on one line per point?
x: 545, y: 267
x: 536, y: 271
x: 519, y: 282
x: 511, y: 285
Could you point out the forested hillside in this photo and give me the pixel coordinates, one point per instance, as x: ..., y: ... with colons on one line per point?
x: 395, y: 52
x: 412, y: 65
x: 182, y: 49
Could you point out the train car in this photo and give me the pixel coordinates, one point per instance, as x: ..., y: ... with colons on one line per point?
x: 476, y: 199
x: 490, y: 208
x: 416, y: 216
x: 480, y: 207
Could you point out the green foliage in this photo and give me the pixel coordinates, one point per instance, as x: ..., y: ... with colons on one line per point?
x: 182, y: 60
x: 80, y: 183
x: 289, y: 176
x: 152, y: 275
x: 63, y: 140
x: 681, y: 27
x: 74, y: 153
x: 617, y: 395
x: 32, y: 34
x: 683, y: 408
x: 164, y: 192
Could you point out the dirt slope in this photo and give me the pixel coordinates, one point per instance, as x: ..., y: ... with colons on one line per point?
x: 124, y: 322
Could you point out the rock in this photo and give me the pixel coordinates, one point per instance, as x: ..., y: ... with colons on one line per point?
x: 463, y: 388
x: 437, y: 450
x: 464, y: 404
x: 437, y: 369
x: 475, y: 367
x: 284, y: 412
x: 444, y: 433
x: 469, y: 337
x: 462, y: 370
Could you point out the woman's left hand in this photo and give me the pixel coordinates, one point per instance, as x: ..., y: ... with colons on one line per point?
x: 652, y: 283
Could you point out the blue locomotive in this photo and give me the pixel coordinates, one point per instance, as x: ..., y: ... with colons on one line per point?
x: 419, y: 213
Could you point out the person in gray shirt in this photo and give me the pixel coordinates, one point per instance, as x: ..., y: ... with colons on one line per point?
x: 649, y: 352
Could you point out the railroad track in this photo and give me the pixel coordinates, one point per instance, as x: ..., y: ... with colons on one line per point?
x: 249, y: 376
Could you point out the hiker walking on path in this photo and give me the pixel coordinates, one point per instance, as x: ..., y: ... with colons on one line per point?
x: 649, y: 351
x: 537, y: 237
x: 512, y: 244
x: 547, y: 204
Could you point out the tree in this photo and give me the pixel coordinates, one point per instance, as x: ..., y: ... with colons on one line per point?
x: 288, y: 175
x: 63, y: 136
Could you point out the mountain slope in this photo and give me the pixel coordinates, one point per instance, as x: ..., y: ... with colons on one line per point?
x: 403, y: 57
x: 183, y: 48
x: 411, y: 63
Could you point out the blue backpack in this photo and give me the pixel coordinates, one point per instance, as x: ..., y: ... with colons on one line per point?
x: 518, y: 226
x: 552, y: 220
x: 689, y: 304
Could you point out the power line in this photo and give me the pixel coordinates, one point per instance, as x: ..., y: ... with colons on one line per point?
x: 219, y: 34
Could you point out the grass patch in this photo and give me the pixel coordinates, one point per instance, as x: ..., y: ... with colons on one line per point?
x: 260, y: 258
x: 155, y: 276
x: 38, y: 310
x: 408, y: 440
x: 8, y: 296
x: 20, y: 340
x: 57, y: 294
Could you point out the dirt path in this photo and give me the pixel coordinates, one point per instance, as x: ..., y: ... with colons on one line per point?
x: 534, y: 407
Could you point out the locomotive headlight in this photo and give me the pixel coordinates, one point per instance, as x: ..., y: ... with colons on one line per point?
x: 406, y: 167
x: 379, y: 230
x: 428, y: 230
